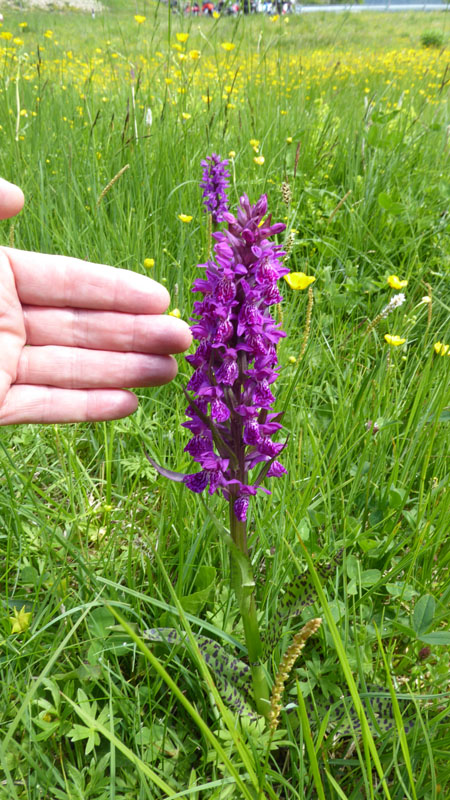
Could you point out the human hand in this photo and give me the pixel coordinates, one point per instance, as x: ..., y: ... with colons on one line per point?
x: 73, y: 334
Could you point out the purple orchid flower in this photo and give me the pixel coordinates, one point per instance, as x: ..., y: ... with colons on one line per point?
x: 214, y: 183
x: 230, y: 414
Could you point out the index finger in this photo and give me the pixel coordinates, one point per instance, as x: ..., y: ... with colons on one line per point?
x: 62, y: 281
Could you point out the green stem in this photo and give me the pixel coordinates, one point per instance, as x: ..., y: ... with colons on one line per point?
x: 244, y: 587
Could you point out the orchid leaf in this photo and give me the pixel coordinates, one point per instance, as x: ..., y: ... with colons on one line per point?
x: 343, y: 721
x: 231, y: 675
x: 299, y: 594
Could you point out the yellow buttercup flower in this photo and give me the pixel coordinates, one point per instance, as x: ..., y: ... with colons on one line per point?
x: 275, y: 18
x: 228, y: 46
x: 149, y: 263
x: 185, y: 217
x: 20, y: 621
x: 216, y: 15
x: 48, y: 34
x: 175, y: 313
x: 394, y: 341
x: 259, y: 160
x: 289, y: 140
x: 298, y: 280
x: 254, y: 142
x: 185, y: 115
x: 395, y: 282
x: 232, y: 154
x: 441, y: 349
x: 182, y: 37
x: 139, y: 18
x: 194, y: 54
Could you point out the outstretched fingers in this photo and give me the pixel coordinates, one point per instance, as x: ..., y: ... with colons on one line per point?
x: 77, y: 368
x: 106, y: 330
x: 62, y: 281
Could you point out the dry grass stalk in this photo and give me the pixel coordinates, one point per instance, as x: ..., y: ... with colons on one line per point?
x: 287, y: 662
x: 339, y: 205
x: 111, y: 183
x: 307, y: 330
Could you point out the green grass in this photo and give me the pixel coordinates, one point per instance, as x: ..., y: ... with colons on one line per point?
x: 86, y: 711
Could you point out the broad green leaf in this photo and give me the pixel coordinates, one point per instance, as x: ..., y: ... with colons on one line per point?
x: 388, y: 204
x: 369, y: 577
x: 436, y: 638
x: 423, y: 614
x: 205, y: 581
x: 401, y: 589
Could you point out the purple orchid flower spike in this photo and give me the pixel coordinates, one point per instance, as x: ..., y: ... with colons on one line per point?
x: 215, y: 178
x: 230, y: 398
x: 231, y: 420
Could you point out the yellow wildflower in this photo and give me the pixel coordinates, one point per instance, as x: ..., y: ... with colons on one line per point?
x: 139, y: 18
x: 185, y: 217
x: 275, y: 18
x: 149, y: 263
x: 232, y: 154
x: 182, y: 37
x: 441, y: 349
x: 23, y: 24
x: 228, y: 46
x: 298, y: 280
x: 216, y: 15
x: 254, y: 143
x: 175, y: 313
x: 18, y: 41
x: 292, y: 360
x: 6, y: 35
x: 259, y: 160
x: 289, y: 140
x: 394, y: 341
x: 395, y: 282
x: 20, y: 621
x: 194, y: 54
x: 185, y: 115
x: 48, y: 34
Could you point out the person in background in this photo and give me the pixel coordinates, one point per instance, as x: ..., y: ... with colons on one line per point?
x: 74, y: 336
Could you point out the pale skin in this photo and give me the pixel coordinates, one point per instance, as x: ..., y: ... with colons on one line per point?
x: 75, y: 335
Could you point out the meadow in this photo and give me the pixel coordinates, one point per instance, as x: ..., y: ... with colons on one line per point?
x: 344, y: 123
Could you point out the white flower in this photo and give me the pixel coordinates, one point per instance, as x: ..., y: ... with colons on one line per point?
x: 148, y: 117
x: 394, y: 303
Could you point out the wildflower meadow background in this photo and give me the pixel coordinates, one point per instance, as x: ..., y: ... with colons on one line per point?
x: 343, y: 122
